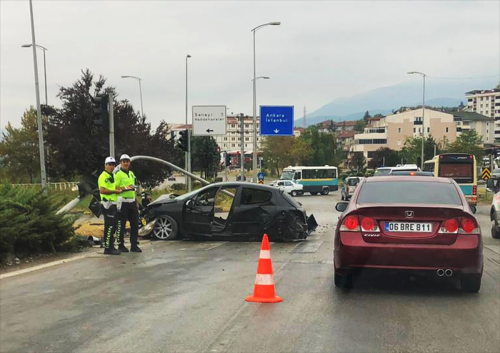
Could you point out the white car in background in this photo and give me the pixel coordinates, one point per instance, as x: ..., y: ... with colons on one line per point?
x: 290, y: 187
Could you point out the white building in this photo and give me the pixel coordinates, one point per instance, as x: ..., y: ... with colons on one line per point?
x: 486, y: 102
x: 484, y: 125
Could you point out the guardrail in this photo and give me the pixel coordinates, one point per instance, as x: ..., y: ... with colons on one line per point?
x: 52, y: 186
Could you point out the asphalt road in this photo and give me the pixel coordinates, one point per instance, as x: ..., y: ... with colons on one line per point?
x: 189, y: 297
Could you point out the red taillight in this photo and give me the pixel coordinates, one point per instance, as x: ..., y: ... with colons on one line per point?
x: 350, y: 224
x: 369, y: 225
x: 474, y: 190
x: 468, y: 225
x: 451, y: 225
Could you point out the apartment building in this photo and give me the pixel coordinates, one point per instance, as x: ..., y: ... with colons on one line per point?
x: 486, y: 102
x: 392, y: 130
x: 484, y: 125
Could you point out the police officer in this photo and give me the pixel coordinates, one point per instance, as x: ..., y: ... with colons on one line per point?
x: 109, y: 195
x: 129, y: 210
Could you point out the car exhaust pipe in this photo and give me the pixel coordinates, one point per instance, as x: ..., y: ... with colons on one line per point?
x: 448, y: 273
x: 440, y: 272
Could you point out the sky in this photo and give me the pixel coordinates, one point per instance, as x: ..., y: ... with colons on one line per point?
x: 321, y: 51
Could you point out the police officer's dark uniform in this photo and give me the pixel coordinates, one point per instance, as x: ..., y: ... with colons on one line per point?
x: 128, y: 208
x: 109, y: 195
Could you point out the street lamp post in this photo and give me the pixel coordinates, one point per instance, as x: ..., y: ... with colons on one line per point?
x: 43, y: 175
x: 423, y: 114
x: 254, y: 158
x: 44, y: 66
x: 140, y: 90
x: 187, y: 156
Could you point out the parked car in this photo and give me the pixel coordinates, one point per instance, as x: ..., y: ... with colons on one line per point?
x: 494, y: 185
x: 412, y: 224
x: 349, y: 186
x: 228, y: 209
x: 290, y: 187
x: 241, y: 178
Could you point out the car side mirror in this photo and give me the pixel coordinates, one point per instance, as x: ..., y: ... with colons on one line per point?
x: 490, y: 183
x: 473, y: 208
x: 341, y: 206
x: 190, y: 203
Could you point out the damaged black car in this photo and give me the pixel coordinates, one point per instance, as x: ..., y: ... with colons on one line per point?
x: 229, y: 210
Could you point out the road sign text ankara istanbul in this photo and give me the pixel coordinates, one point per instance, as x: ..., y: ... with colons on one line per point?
x: 276, y: 120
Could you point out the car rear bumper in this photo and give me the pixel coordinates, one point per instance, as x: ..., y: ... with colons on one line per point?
x: 464, y: 256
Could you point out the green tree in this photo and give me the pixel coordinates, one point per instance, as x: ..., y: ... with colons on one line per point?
x: 384, y: 156
x: 358, y: 161
x: 360, y: 126
x: 412, y: 149
x: 205, y: 156
x: 301, y: 150
x: 19, y: 151
x: 78, y: 146
x: 366, y: 116
x: 277, y: 152
x: 323, y: 147
x: 467, y: 142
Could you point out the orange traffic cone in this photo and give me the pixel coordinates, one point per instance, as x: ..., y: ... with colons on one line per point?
x: 264, y: 282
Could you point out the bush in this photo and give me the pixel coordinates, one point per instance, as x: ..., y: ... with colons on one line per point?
x: 29, y: 224
x: 178, y: 186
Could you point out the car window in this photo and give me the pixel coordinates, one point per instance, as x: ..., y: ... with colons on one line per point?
x: 416, y: 192
x: 206, y: 198
x: 254, y: 196
x: 288, y: 183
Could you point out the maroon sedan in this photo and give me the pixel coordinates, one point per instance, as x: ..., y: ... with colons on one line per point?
x: 409, y: 223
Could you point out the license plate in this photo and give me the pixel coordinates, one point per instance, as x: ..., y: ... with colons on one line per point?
x: 408, y: 227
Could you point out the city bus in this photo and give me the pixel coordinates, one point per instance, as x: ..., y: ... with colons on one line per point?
x: 460, y: 167
x: 316, y: 180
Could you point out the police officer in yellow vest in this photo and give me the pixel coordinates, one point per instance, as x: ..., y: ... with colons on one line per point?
x: 109, y: 195
x: 127, y: 205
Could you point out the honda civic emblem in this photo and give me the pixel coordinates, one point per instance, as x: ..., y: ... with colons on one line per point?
x: 409, y: 214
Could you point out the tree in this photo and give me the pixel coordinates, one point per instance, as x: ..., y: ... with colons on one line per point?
x: 323, y: 147
x: 366, y: 116
x: 358, y: 161
x: 205, y: 155
x: 412, y: 149
x: 384, y: 156
x: 467, y: 142
x: 301, y: 150
x: 360, y: 126
x: 277, y: 152
x: 79, y: 147
x: 19, y: 152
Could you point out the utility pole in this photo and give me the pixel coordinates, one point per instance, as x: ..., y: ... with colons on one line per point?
x: 111, y: 125
x: 305, y: 118
x: 242, y: 150
x: 43, y: 174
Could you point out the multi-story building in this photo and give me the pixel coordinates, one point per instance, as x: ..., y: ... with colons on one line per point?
x: 232, y: 140
x: 392, y: 130
x: 486, y: 102
x: 484, y: 125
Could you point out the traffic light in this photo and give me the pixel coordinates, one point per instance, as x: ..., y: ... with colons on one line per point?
x: 183, y: 141
x: 228, y: 160
x: 101, y: 110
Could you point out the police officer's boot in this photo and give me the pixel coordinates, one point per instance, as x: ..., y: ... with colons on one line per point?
x: 135, y: 248
x: 122, y: 248
x: 111, y: 251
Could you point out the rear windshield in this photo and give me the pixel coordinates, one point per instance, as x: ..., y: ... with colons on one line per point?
x: 461, y: 172
x: 380, y: 172
x: 416, y: 192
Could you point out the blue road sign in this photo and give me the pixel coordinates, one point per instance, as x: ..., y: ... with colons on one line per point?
x: 260, y: 176
x: 276, y: 120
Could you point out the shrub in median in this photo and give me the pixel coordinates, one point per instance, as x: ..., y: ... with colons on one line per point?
x: 29, y: 224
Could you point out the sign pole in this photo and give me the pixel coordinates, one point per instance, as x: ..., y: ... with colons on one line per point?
x: 242, y: 151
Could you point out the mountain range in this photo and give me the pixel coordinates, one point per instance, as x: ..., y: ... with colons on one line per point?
x: 439, y: 93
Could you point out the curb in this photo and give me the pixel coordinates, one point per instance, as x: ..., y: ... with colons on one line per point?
x: 48, y: 264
